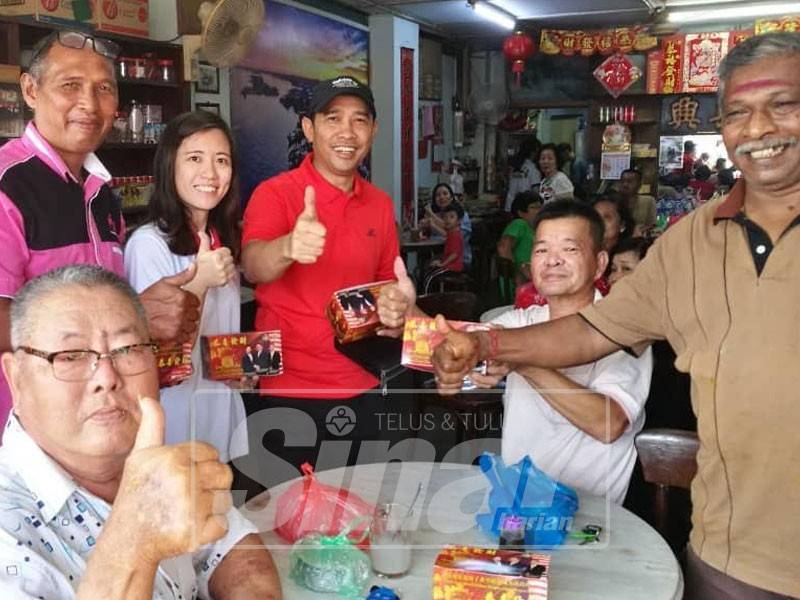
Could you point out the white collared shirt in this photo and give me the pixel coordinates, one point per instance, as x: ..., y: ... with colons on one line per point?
x: 531, y: 426
x: 49, y: 526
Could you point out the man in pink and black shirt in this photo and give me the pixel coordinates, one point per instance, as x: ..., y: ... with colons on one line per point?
x: 56, y: 208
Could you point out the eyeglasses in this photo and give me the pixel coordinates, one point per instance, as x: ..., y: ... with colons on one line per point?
x: 80, y: 365
x: 77, y: 40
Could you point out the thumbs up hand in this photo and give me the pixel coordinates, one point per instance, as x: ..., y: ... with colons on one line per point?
x: 396, y: 301
x: 306, y: 243
x: 454, y: 357
x: 171, y: 499
x: 151, y: 425
x: 214, y: 267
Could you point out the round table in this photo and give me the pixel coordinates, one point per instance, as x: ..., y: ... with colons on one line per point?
x: 414, y: 253
x: 630, y: 562
x: 429, y: 244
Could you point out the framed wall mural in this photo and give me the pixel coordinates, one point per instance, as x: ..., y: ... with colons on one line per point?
x: 270, y: 89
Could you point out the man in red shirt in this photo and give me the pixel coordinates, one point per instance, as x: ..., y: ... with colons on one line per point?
x: 307, y: 233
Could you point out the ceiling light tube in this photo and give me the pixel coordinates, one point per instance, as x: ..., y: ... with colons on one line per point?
x: 732, y: 13
x: 494, y: 14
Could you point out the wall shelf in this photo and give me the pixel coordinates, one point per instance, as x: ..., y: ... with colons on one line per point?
x: 642, y: 122
x: 147, y: 82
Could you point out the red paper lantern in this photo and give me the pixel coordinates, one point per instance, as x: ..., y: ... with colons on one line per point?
x: 518, y: 47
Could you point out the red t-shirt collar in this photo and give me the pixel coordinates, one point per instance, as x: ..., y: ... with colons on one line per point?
x: 216, y: 242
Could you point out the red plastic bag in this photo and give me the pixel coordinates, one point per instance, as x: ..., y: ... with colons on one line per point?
x: 312, y: 507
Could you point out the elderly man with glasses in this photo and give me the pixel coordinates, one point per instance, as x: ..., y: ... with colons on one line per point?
x: 92, y: 503
x: 56, y: 208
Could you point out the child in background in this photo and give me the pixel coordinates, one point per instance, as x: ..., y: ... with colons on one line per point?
x: 516, y: 242
x: 441, y: 198
x: 453, y: 255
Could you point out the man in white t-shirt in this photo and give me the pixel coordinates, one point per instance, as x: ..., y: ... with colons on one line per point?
x: 578, y: 423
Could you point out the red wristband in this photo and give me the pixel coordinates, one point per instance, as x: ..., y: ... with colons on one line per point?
x: 493, y: 343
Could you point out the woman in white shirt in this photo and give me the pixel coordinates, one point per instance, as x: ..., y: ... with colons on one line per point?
x: 194, y: 218
x: 555, y: 185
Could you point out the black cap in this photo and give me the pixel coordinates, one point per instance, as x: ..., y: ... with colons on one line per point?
x: 339, y: 86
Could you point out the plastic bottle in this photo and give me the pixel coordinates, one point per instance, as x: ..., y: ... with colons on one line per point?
x: 136, y: 122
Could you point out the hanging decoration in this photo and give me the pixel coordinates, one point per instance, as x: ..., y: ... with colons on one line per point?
x: 586, y: 43
x: 738, y: 36
x: 517, y: 48
x: 407, y: 128
x: 702, y: 55
x: 777, y: 24
x: 689, y: 62
x: 617, y: 74
x: 671, y: 71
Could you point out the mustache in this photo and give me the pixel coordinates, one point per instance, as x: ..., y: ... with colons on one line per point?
x: 757, y: 145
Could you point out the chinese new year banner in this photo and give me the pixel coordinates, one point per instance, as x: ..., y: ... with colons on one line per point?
x: 586, y: 43
x: 778, y: 24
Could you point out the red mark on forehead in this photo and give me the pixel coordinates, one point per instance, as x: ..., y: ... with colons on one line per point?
x: 760, y: 83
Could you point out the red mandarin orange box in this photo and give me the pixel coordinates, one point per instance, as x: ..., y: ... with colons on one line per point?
x: 174, y: 364
x: 353, y: 311
x: 420, y: 337
x: 64, y: 12
x: 224, y: 355
x: 471, y: 573
x: 128, y: 17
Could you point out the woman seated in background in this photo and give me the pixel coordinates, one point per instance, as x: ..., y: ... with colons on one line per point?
x: 555, y: 185
x: 616, y: 216
x: 194, y: 218
x: 442, y: 197
x: 668, y: 403
x: 525, y: 174
x: 516, y: 242
x: 625, y: 256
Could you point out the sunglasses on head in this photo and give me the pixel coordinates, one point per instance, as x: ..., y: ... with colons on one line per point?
x: 77, y: 40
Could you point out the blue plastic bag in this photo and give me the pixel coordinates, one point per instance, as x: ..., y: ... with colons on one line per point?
x: 523, y: 490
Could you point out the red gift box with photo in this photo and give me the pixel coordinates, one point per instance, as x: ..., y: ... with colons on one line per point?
x: 231, y: 357
x: 353, y: 311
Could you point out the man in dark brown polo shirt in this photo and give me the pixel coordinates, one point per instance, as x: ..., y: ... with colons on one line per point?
x: 723, y: 287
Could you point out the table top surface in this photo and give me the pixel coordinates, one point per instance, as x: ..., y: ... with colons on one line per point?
x: 426, y: 243
x: 631, y: 561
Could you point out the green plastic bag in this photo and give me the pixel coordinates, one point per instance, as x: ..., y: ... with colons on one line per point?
x: 332, y: 564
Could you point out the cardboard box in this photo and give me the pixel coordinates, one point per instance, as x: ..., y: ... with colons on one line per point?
x: 353, y: 311
x: 225, y: 357
x: 420, y: 337
x: 470, y: 573
x: 10, y: 74
x: 64, y: 12
x: 128, y: 17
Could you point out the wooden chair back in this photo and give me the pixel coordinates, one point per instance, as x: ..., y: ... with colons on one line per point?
x: 458, y: 306
x: 668, y: 458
